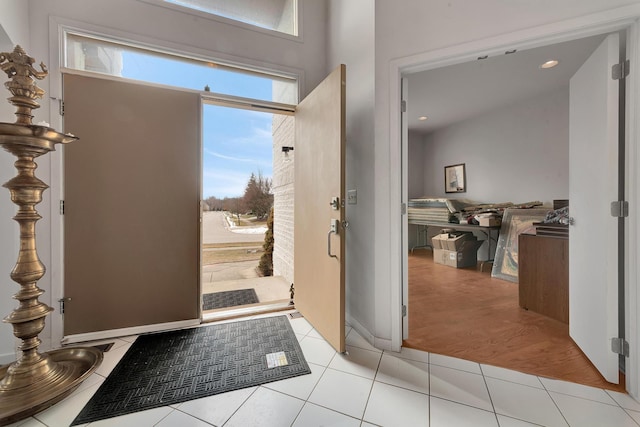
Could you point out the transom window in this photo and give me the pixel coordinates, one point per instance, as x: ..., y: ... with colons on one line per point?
x: 87, y: 53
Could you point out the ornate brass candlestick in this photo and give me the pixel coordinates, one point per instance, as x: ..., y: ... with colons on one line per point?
x: 36, y: 380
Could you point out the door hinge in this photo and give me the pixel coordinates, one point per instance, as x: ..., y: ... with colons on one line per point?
x: 403, y: 209
x: 404, y: 311
x: 61, y: 207
x: 620, y: 209
x: 62, y: 301
x: 620, y: 71
x: 61, y: 106
x: 403, y: 106
x: 620, y: 346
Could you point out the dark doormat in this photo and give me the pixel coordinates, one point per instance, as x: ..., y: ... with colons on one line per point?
x: 229, y: 299
x: 173, y: 367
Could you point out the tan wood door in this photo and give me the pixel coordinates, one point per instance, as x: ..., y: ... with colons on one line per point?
x: 319, y: 260
x: 132, y: 191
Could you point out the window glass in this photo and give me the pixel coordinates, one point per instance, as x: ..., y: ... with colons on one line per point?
x: 92, y: 54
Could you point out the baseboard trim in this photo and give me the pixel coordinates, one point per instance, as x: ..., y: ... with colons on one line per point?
x: 377, y: 342
x: 7, y: 358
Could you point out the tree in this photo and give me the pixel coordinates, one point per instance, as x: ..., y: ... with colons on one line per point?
x: 257, y: 195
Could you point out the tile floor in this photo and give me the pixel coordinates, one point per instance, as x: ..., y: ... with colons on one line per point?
x: 368, y: 387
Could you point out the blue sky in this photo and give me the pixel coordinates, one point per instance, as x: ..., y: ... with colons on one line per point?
x: 236, y: 142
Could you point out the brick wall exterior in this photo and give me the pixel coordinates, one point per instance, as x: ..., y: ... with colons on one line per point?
x: 283, y: 177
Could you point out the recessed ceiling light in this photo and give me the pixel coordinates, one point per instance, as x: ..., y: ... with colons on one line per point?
x: 422, y: 118
x: 549, y: 64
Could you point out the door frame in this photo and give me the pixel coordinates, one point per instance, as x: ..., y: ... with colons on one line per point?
x: 625, y: 18
x: 57, y: 28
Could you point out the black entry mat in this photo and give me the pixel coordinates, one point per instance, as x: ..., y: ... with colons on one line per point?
x: 229, y: 299
x: 172, y: 367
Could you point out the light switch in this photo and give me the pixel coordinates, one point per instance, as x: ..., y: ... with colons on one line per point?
x: 352, y: 197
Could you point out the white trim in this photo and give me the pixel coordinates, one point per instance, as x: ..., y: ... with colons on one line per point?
x: 7, y: 358
x: 253, y: 310
x: 124, y: 332
x: 397, y: 261
x: 404, y: 224
x: 236, y: 23
x: 632, y: 279
x: 364, y: 333
x: 385, y: 344
x: 584, y: 26
x: 56, y: 187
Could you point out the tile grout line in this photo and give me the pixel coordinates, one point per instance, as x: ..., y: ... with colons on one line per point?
x: 373, y: 383
x: 486, y: 385
x: 555, y: 403
x: 429, y: 387
x: 239, y: 407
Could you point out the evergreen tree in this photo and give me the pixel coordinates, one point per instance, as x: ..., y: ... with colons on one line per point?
x: 257, y: 195
x: 266, y: 260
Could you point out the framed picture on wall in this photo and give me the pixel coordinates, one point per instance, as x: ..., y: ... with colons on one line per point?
x: 455, y: 180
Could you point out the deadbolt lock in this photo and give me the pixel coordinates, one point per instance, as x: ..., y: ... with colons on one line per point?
x: 335, y: 203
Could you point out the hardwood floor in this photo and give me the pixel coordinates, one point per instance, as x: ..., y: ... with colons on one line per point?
x: 468, y: 314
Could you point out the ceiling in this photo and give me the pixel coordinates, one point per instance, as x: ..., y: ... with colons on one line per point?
x: 458, y: 92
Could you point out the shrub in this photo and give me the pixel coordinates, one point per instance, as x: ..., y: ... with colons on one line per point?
x: 266, y: 260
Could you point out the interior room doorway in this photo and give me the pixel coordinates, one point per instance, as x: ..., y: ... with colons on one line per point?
x: 242, y: 177
x: 453, y: 132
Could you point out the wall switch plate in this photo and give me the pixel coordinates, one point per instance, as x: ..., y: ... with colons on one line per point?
x: 352, y: 197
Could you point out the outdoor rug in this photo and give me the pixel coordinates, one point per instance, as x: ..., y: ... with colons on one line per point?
x: 229, y: 299
x: 173, y: 367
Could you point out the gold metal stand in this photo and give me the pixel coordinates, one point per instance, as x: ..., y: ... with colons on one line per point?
x: 36, y: 380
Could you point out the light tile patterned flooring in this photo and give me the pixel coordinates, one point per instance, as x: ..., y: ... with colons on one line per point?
x: 368, y: 387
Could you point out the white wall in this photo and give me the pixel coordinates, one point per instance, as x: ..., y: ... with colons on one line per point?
x: 156, y: 25
x: 14, y: 20
x: 351, y: 42
x: 516, y: 154
x: 283, y: 187
x: 405, y: 28
x: 14, y: 28
x: 417, y: 166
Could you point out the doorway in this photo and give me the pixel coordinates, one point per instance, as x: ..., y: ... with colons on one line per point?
x: 243, y: 173
x: 463, y: 137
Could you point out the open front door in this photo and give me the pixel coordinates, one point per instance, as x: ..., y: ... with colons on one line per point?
x: 593, y: 184
x: 319, y: 236
x: 132, y: 193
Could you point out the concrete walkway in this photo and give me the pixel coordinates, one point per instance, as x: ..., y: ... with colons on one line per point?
x: 216, y: 230
x: 237, y: 275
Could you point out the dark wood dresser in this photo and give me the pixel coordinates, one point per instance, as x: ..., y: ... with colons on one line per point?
x: 543, y: 274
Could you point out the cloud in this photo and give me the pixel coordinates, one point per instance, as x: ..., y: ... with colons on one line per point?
x: 222, y: 156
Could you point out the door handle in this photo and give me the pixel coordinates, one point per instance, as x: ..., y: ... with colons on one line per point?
x: 333, y: 229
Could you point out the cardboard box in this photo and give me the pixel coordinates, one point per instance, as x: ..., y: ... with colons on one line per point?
x: 491, y: 221
x: 456, y: 240
x: 439, y: 241
x: 452, y: 241
x: 467, y: 256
